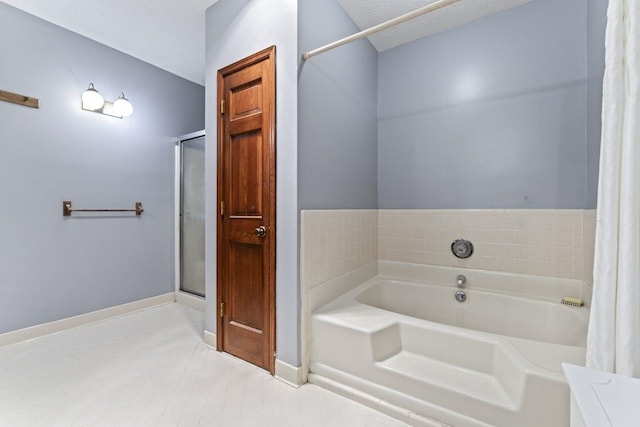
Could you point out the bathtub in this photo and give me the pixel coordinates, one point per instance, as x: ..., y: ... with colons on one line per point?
x: 401, y: 342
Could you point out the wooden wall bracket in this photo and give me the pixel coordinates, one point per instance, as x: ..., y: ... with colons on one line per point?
x: 16, y: 98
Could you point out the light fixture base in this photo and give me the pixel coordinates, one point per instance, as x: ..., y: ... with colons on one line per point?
x: 106, y: 109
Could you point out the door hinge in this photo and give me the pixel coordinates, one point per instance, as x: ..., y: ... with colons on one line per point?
x: 222, y: 106
x: 222, y: 309
x: 222, y: 208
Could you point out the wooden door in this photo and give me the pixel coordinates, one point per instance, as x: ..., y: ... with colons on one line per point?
x: 246, y: 209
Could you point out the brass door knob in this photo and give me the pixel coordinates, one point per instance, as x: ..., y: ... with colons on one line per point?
x: 261, y: 231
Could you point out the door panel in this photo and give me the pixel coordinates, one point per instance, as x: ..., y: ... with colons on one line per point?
x: 246, y: 304
x: 246, y: 202
x: 246, y: 100
x: 245, y: 198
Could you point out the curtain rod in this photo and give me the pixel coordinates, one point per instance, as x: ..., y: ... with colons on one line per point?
x: 383, y: 26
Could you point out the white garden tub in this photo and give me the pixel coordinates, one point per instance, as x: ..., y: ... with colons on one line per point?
x: 401, y: 342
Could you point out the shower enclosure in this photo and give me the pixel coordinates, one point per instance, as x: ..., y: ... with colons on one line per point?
x: 190, y: 200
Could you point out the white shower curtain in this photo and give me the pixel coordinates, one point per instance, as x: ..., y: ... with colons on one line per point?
x: 613, y: 343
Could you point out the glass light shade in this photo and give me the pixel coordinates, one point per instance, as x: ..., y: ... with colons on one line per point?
x: 91, y: 99
x: 122, y: 106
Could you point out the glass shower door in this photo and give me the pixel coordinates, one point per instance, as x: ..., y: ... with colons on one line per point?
x: 192, y: 216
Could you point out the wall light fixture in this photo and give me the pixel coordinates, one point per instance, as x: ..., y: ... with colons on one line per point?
x: 93, y: 101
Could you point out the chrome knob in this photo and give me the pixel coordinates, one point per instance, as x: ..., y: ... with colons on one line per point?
x: 461, y: 280
x: 261, y: 231
x: 461, y: 296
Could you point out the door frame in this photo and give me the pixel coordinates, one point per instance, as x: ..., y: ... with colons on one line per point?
x: 265, y: 54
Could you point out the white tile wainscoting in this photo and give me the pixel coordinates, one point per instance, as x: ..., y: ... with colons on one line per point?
x: 544, y: 242
x: 335, y: 242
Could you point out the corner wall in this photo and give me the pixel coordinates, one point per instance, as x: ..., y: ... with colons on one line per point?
x: 55, y: 267
x: 237, y: 29
x: 337, y: 113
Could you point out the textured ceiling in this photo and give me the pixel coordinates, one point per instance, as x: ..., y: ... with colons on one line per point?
x: 367, y: 13
x: 169, y: 34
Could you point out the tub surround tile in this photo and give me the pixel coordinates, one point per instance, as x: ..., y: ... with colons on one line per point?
x: 335, y: 242
x: 341, y: 248
x: 545, y: 242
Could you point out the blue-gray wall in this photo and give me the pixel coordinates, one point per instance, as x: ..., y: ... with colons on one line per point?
x: 236, y: 29
x: 337, y: 113
x: 488, y: 115
x: 50, y: 267
x: 596, y: 24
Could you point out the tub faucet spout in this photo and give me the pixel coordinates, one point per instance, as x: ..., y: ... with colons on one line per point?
x: 461, y: 280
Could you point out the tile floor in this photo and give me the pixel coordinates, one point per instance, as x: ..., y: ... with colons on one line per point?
x: 151, y: 369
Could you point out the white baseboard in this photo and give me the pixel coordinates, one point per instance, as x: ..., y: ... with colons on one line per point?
x: 286, y: 373
x: 210, y: 339
x: 49, y: 328
x: 289, y: 374
x: 190, y: 300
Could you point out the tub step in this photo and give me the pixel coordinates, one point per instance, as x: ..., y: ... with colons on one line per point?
x: 478, y: 385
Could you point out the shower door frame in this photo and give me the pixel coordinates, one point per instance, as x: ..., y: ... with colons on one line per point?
x: 182, y: 297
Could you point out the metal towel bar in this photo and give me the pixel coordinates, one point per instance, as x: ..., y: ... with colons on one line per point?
x: 67, y: 210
